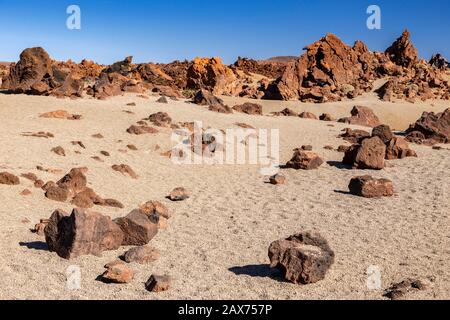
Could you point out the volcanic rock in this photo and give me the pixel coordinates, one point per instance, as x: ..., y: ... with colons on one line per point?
x: 179, y: 194
x: 369, y: 187
x: 303, y: 258
x: 125, y: 169
x: 138, y: 229
x: 9, y: 179
x: 81, y: 233
x: 141, y: 255
x: 362, y: 116
x: 304, y: 160
x: 370, y: 154
x: 249, y: 108
x: 158, y: 283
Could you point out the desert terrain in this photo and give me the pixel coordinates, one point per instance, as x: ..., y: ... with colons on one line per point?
x: 216, y: 242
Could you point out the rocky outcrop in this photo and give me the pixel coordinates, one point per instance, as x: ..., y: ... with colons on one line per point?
x: 269, y: 69
x: 138, y: 229
x: 81, y: 233
x: 304, y: 160
x: 303, y: 258
x: 212, y: 75
x: 370, y: 154
x: 402, y: 52
x: 362, y: 116
x: 249, y: 108
x: 430, y: 129
x: 369, y: 187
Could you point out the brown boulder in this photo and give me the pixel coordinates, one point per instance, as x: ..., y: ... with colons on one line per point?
x: 9, y: 179
x: 138, y: 130
x: 402, y: 52
x: 141, y: 255
x: 434, y: 128
x: 368, y: 187
x: 398, y: 148
x: 370, y: 154
x: 160, y: 119
x: 81, y: 233
x: 277, y: 179
x: 137, y: 228
x: 383, y: 132
x: 249, y: 108
x: 75, y: 181
x: 56, y: 193
x: 125, y: 169
x: 362, y: 116
x: 354, y: 136
x: 221, y: 109
x: 155, y: 207
x: 179, y: 194
x: 326, y: 117
x: 286, y: 113
x: 304, y: 160
x: 212, y: 75
x: 117, y: 272
x: 303, y: 258
x: 158, y: 283
x: 308, y: 115
x: 59, y: 151
x: 206, y: 98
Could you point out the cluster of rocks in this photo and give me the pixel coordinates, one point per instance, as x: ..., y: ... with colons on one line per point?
x: 370, y: 151
x: 329, y: 70
x: 73, y: 188
x: 430, y: 129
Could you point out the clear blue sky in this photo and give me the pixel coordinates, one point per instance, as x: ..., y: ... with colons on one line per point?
x: 165, y: 30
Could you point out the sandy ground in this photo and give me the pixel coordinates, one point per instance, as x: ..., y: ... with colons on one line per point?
x: 216, y: 244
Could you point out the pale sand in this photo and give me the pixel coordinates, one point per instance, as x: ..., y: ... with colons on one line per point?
x: 216, y: 244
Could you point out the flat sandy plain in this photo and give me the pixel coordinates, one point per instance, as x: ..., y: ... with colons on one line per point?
x: 216, y: 244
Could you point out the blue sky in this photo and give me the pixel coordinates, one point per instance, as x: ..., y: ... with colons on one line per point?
x: 165, y: 30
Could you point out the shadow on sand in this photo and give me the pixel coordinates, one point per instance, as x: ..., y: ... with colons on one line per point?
x: 35, y: 245
x: 258, y: 271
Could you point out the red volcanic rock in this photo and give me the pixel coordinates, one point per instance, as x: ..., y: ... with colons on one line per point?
x: 139, y: 130
x: 368, y: 187
x: 81, y: 233
x: 305, y: 160
x: 249, y: 108
x: 179, y: 194
x: 75, y: 181
x: 125, y: 169
x: 30, y: 176
x: 286, y: 112
x: 398, y: 148
x: 402, y: 52
x: 206, y: 98
x: 370, y: 154
x: 431, y: 128
x: 27, y: 76
x: 326, y: 117
x: 57, y: 194
x: 9, y: 179
x: 117, y: 272
x: 383, y: 132
x: 59, y: 151
x: 212, y: 75
x: 138, y: 229
x: 268, y: 68
x: 362, y: 116
x: 60, y: 114
x: 155, y: 207
x: 303, y: 258
x: 221, y: 109
x: 354, y: 136
x: 160, y: 119
x: 158, y: 283
x: 308, y: 115
x: 277, y: 179
x: 108, y: 86
x: 141, y: 255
